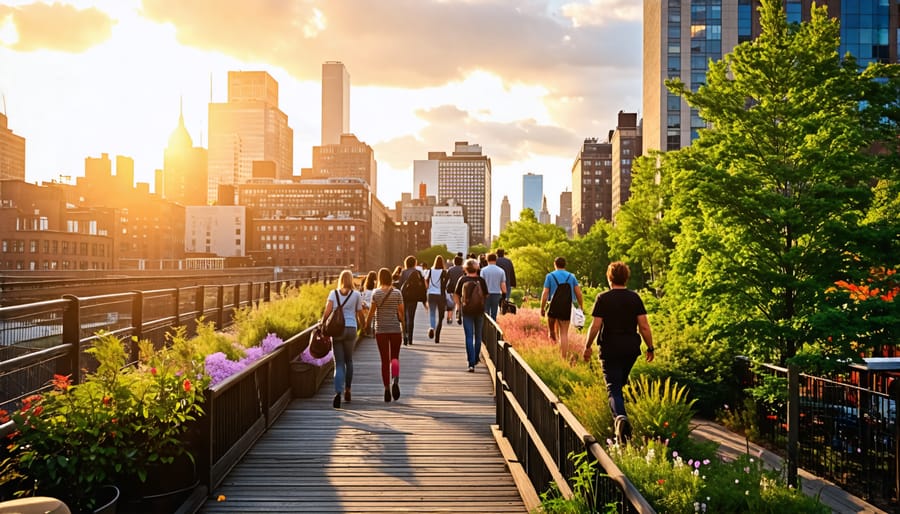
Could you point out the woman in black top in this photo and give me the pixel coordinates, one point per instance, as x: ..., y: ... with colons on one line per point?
x: 619, y: 316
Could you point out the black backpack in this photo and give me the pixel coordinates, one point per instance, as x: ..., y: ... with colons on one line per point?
x: 334, y: 324
x: 413, y: 288
x: 561, y: 303
x: 472, y: 298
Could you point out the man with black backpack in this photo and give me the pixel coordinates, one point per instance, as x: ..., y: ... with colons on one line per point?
x: 412, y: 287
x: 561, y: 289
x: 471, y: 292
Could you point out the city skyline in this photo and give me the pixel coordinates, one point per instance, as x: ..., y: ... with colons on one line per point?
x: 84, y: 78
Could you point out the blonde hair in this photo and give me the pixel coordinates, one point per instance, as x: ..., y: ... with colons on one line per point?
x: 345, y: 281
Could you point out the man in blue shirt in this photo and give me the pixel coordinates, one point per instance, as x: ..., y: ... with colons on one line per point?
x: 495, y: 278
x: 559, y: 310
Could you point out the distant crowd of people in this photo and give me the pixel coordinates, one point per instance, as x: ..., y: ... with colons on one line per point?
x: 466, y: 291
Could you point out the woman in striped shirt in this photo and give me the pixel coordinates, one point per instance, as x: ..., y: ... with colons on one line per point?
x: 387, y: 310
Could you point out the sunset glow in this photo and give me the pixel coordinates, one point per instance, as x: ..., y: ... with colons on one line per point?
x: 526, y: 80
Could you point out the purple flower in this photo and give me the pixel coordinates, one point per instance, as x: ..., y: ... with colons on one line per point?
x: 271, y: 343
x: 307, y: 357
x: 219, y: 367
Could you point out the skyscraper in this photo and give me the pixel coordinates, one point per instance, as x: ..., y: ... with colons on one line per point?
x: 465, y: 176
x: 335, y: 102
x: 626, y: 146
x: 591, y: 185
x: 504, y: 213
x: 184, y: 166
x: 249, y: 127
x: 12, y: 153
x: 532, y: 192
x: 681, y: 36
x: 544, y: 215
x: 564, y: 219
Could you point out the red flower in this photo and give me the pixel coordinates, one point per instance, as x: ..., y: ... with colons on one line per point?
x: 38, y: 410
x: 4, y: 416
x: 661, y: 481
x: 152, y: 371
x: 61, y: 382
x: 106, y: 400
x: 666, y: 424
x: 187, y: 385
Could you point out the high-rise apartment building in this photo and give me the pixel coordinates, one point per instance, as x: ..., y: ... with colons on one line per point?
x: 626, y: 146
x: 335, y: 102
x: 465, y: 176
x: 591, y: 185
x: 219, y: 230
x: 350, y: 158
x: 504, y: 213
x: 184, y: 167
x: 248, y: 127
x: 564, y: 220
x: 681, y: 36
x: 12, y: 152
x: 532, y: 192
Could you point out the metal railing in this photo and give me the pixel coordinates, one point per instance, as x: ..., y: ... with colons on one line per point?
x: 544, y: 433
x: 835, y: 430
x: 41, y: 339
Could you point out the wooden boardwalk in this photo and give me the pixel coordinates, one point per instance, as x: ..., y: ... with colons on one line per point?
x: 431, y: 451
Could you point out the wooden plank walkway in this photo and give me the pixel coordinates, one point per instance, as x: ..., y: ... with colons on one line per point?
x: 431, y: 451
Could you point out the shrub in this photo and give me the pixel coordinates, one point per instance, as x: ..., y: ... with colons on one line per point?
x: 292, y: 313
x: 659, y: 410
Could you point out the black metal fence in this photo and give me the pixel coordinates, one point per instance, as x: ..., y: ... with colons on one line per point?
x: 41, y: 339
x: 842, y: 432
x: 544, y: 433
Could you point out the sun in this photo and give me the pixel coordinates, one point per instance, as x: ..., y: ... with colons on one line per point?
x: 9, y: 36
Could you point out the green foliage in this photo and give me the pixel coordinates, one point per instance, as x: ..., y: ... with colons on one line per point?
x: 428, y: 255
x: 771, y: 196
x: 557, y: 374
x: 293, y: 312
x: 740, y: 419
x: 120, y: 421
x: 479, y: 249
x: 552, y: 502
x: 589, y: 403
x: 671, y: 486
x: 644, y: 236
x: 208, y: 341
x: 659, y: 410
x: 745, y: 485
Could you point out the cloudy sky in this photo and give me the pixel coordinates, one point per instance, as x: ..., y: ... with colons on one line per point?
x: 528, y: 80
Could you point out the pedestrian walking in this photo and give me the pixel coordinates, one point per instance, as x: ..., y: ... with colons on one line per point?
x: 453, y: 275
x: 347, y: 298
x: 620, y: 321
x: 388, y: 313
x: 470, y: 295
x: 368, y: 287
x: 412, y: 287
x: 561, y: 289
x: 495, y: 278
x: 504, y: 262
x: 437, y: 299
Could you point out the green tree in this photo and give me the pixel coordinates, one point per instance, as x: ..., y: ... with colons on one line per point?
x: 532, y: 246
x: 588, y: 256
x: 643, y: 236
x: 427, y: 255
x: 771, y: 196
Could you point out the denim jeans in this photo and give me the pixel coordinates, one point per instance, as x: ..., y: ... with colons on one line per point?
x: 343, y: 358
x: 410, y: 311
x: 473, y: 327
x: 492, y: 304
x: 616, y: 369
x: 436, y: 309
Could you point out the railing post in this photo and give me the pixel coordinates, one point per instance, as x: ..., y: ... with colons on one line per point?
x: 137, y: 314
x: 895, y: 394
x: 220, y: 307
x: 793, y: 421
x: 267, y: 292
x: 200, y: 301
x: 72, y: 335
x: 177, y: 306
x: 250, y: 299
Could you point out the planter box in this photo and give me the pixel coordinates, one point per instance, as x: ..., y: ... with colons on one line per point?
x: 306, y: 379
